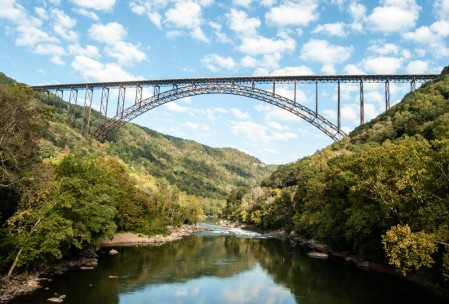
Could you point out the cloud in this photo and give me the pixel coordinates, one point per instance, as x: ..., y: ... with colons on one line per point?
x: 394, y: 16
x: 186, y: 14
x: 417, y: 67
x: 90, y: 51
x: 244, y: 3
x: 382, y: 65
x: 94, y: 70
x: 216, y: 62
x: 325, y: 53
x: 293, y: 71
x: 174, y: 107
x: 382, y: 48
x: 332, y: 29
x: 431, y: 37
x: 441, y: 9
x: 99, y: 5
x: 259, y: 133
x: 63, y: 25
x: 260, y: 45
x: 292, y: 13
x: 239, y: 114
x: 197, y: 126
x: 241, y: 24
x: 86, y: 13
x: 112, y: 35
x: 31, y: 36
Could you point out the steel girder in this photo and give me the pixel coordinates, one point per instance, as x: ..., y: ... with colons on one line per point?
x: 160, y: 98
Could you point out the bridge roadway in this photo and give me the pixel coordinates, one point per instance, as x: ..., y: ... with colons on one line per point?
x: 411, y: 78
x: 235, y: 85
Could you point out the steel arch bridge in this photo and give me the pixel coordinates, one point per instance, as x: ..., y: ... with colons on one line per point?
x: 240, y: 86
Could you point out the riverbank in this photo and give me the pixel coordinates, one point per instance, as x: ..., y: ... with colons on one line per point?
x: 349, y: 257
x: 133, y: 239
x: 27, y: 283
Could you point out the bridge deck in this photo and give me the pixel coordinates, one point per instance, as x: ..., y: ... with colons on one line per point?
x: 243, y: 80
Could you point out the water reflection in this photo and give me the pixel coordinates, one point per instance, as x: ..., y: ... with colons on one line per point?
x: 226, y: 269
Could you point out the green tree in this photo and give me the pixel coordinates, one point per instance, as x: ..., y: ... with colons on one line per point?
x: 408, y: 250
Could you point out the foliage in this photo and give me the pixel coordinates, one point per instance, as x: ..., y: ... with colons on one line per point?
x: 388, y: 178
x: 408, y: 250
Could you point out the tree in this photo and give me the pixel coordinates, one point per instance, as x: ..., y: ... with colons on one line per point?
x: 408, y: 250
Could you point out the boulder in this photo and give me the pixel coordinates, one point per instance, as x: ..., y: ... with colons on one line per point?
x: 113, y: 252
x: 318, y: 255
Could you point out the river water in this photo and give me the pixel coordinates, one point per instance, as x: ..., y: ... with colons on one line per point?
x: 226, y: 266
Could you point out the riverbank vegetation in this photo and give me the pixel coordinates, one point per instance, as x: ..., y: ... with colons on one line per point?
x: 61, y: 193
x: 381, y: 193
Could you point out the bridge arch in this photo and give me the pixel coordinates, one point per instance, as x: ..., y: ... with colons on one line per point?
x: 195, y: 89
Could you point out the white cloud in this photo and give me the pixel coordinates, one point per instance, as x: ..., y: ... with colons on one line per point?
x: 94, y: 70
x: 63, y: 25
x: 41, y: 12
x: 222, y: 37
x: 293, y: 71
x: 382, y: 65
x: 244, y: 3
x: 260, y: 45
x: 185, y: 14
x: 431, y: 37
x: 441, y: 8
x: 84, y: 12
x: 31, y: 36
x: 259, y: 133
x: 57, y: 60
x: 417, y: 67
x: 241, y: 24
x: 90, y: 51
x: 197, y: 126
x: 198, y: 34
x: 112, y: 35
x: 352, y: 69
x: 100, y: 5
x: 293, y: 13
x: 239, y: 114
x: 332, y: 29
x: 16, y: 13
x: 109, y: 33
x: 323, y: 52
x: 394, y: 16
x: 382, y: 48
x: 174, y: 107
x: 216, y: 62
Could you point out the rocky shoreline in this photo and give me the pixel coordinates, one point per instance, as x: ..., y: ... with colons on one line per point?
x: 29, y: 282
x: 317, y: 248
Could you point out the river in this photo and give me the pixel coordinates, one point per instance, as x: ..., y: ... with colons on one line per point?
x: 226, y: 266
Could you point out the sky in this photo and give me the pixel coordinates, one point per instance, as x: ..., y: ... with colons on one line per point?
x: 75, y: 41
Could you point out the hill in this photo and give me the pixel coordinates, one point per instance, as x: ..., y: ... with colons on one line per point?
x: 380, y: 193
x: 194, y: 168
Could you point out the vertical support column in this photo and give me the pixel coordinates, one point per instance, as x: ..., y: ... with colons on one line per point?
x: 121, y: 101
x: 316, y: 97
x: 84, y: 118
x: 294, y: 91
x: 89, y: 116
x: 157, y: 89
x: 253, y: 85
x: 60, y: 95
x: 362, y: 104
x: 338, y: 108
x: 274, y: 88
x: 387, y: 94
x: 413, y: 85
x: 73, y: 99
x: 104, y: 105
x: 138, y: 99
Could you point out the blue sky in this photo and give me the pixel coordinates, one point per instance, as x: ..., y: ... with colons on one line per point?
x: 55, y: 41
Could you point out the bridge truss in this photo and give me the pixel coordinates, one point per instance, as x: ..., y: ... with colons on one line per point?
x: 167, y: 90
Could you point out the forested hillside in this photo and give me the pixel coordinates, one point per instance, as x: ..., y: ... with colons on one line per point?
x: 381, y: 193
x: 61, y: 192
